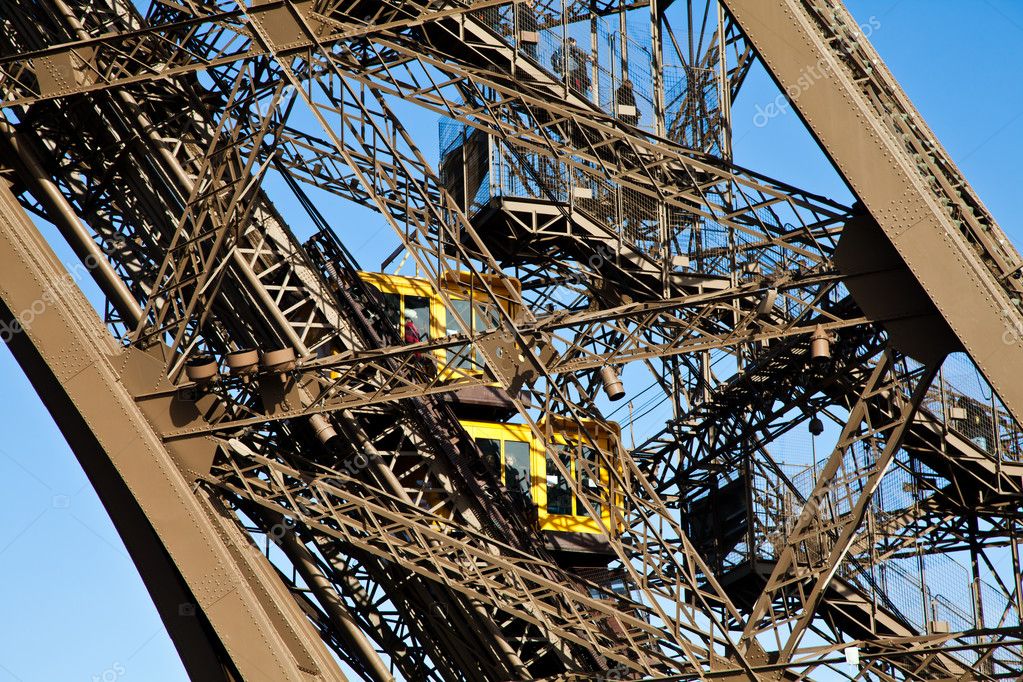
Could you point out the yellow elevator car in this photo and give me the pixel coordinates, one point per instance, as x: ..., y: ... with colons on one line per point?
x: 403, y: 295
x: 521, y: 462
x: 526, y: 468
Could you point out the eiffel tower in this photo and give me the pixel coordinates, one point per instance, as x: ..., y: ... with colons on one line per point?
x: 419, y: 468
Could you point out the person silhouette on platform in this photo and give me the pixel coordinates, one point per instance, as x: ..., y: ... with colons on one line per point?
x: 572, y: 62
x: 527, y: 28
x: 411, y: 334
x: 625, y: 98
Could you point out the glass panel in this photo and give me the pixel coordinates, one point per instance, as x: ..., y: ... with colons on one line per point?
x: 392, y: 305
x: 484, y: 318
x: 459, y: 354
x: 420, y: 305
x: 392, y: 309
x: 559, y: 494
x: 590, y: 483
x: 618, y: 586
x: 516, y: 468
x: 491, y: 449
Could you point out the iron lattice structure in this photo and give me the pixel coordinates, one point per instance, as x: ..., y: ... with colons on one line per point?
x: 326, y: 513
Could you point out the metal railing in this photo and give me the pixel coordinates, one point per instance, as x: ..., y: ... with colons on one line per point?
x: 964, y: 401
x: 600, y: 62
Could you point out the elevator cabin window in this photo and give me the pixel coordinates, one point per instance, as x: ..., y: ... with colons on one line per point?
x: 581, y: 463
x: 517, y: 458
x: 478, y: 319
x: 401, y: 294
x: 509, y: 460
x: 395, y: 305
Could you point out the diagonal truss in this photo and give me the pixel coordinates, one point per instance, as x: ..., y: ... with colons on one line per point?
x: 153, y: 143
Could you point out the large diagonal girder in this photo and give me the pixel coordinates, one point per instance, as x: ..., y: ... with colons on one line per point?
x: 209, y: 581
x: 893, y: 162
x: 277, y: 319
x: 194, y: 255
x: 283, y: 329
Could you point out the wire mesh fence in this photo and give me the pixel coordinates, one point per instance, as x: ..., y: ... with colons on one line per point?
x: 928, y: 592
x: 692, y: 114
x: 964, y: 401
x: 595, y: 60
x: 465, y: 168
x: 476, y: 168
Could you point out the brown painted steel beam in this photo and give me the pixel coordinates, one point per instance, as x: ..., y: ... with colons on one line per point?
x: 223, y: 607
x: 867, y: 151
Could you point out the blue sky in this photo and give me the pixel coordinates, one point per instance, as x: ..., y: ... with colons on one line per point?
x: 73, y: 606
